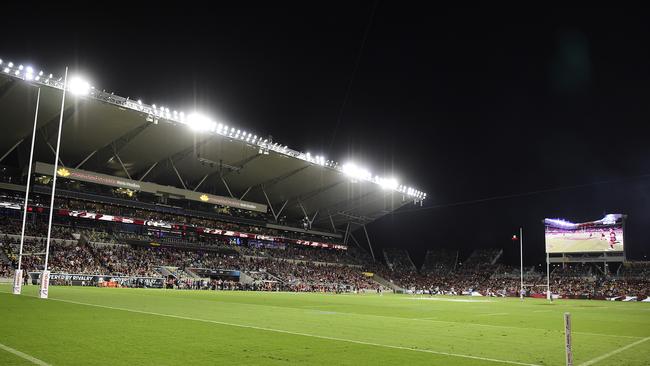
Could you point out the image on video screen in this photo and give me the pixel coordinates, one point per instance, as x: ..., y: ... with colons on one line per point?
x: 604, y: 235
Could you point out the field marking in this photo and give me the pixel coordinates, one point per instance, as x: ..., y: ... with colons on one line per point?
x: 428, y: 318
x: 493, y: 314
x: 612, y: 353
x: 29, y: 358
x: 295, y: 333
x: 443, y: 299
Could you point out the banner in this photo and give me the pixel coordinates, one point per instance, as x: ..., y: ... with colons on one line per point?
x: 604, y: 235
x: 45, y: 284
x: 109, y: 180
x: 96, y: 280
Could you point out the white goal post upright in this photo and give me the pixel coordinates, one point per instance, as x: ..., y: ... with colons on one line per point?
x: 567, y: 339
x: 521, y: 259
x: 549, y: 296
x: 45, y: 276
x: 18, y: 276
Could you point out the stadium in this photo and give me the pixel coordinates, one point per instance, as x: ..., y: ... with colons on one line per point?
x: 140, y: 233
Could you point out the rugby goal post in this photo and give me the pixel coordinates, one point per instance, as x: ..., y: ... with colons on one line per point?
x: 567, y: 339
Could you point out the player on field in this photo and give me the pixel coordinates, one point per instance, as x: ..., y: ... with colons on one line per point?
x: 612, y: 239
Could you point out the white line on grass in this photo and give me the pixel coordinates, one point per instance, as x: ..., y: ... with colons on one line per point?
x: 444, y: 299
x: 29, y: 358
x: 612, y: 353
x: 301, y: 334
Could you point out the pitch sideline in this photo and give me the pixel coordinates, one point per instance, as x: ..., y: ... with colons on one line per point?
x: 612, y: 353
x: 24, y: 355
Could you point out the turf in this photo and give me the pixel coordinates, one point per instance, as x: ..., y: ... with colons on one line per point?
x: 93, y: 326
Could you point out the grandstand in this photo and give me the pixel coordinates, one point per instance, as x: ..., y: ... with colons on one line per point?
x: 145, y: 191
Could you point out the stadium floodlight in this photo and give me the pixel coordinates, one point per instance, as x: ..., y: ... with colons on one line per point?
x: 6, y: 70
x: 388, y: 183
x: 356, y: 172
x: 11, y: 64
x: 21, y: 67
x: 0, y: 61
x: 78, y: 86
x: 199, y: 122
x: 40, y: 73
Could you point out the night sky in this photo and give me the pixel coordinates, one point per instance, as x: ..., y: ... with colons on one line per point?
x: 543, y: 113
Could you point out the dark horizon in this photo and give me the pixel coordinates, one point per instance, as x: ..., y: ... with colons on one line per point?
x: 503, y: 119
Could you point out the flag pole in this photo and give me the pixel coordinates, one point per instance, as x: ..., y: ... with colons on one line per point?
x: 45, y: 277
x: 18, y: 279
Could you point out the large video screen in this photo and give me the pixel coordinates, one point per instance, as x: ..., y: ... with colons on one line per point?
x: 604, y: 235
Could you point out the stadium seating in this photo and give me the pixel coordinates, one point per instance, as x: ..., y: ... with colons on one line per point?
x: 117, y: 249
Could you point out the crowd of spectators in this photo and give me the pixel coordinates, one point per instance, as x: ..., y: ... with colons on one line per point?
x: 287, y: 266
x: 299, y: 253
x: 10, y: 226
x: 439, y: 261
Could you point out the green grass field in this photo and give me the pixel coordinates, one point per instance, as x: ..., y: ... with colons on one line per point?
x: 93, y: 326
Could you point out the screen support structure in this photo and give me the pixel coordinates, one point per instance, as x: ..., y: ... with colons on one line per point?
x: 18, y: 279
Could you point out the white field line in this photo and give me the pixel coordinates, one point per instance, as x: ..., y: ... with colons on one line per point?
x: 428, y: 318
x: 301, y: 334
x: 29, y: 358
x: 444, y: 299
x: 612, y: 353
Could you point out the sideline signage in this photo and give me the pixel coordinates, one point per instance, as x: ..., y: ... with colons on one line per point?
x: 45, y: 285
x: 18, y: 282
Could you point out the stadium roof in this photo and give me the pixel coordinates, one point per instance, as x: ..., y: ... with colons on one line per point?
x: 108, y: 134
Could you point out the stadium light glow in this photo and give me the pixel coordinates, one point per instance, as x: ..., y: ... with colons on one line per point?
x: 78, y: 86
x: 388, y: 183
x: 199, y: 122
x: 356, y: 172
